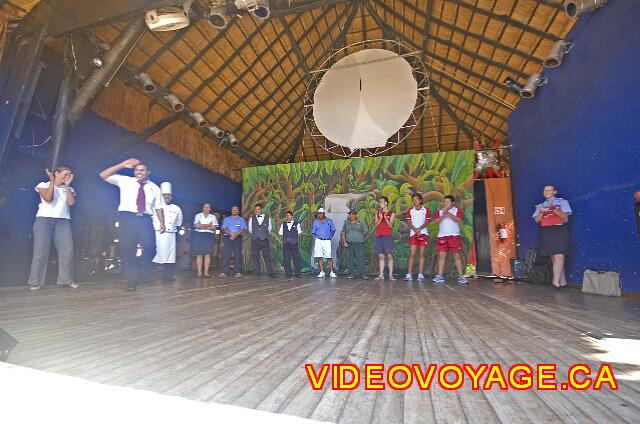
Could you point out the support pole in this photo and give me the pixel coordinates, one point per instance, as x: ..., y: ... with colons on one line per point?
x: 112, y: 61
x: 60, y: 122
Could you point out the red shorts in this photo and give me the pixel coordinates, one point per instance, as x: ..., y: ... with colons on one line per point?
x: 419, y: 240
x: 449, y: 244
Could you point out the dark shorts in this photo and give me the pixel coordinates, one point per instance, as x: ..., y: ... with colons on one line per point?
x: 383, y: 245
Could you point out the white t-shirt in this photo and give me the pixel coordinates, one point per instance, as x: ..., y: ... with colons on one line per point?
x: 201, y: 219
x: 418, y: 218
x: 129, y: 187
x: 58, y: 207
x: 449, y: 227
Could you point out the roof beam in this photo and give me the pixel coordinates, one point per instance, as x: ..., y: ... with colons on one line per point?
x: 450, y: 44
x: 505, y: 18
x: 445, y: 106
x: 294, y: 44
x: 226, y: 63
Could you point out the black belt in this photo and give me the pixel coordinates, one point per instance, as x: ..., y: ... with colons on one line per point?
x: 134, y: 213
x: 325, y: 239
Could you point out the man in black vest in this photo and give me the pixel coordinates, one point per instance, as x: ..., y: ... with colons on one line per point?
x: 290, y: 230
x: 260, y: 228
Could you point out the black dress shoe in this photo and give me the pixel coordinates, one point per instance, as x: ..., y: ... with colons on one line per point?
x: 298, y: 276
x: 169, y: 279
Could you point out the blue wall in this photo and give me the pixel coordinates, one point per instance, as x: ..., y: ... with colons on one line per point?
x: 97, y: 200
x: 582, y: 133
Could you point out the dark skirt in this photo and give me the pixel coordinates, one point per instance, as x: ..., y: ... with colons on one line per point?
x: 202, y: 243
x: 554, y: 240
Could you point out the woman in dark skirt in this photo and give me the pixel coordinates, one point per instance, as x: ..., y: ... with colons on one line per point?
x: 555, y: 239
x: 202, y: 239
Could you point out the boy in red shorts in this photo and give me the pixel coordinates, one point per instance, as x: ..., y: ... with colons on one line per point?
x: 449, y: 240
x: 418, y: 218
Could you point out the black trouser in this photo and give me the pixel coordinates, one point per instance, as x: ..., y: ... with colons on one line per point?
x: 167, y: 271
x: 261, y: 247
x: 136, y: 229
x: 289, y: 251
x: 228, y: 248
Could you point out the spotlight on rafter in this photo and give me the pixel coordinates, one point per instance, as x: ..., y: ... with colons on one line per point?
x: 217, y: 14
x: 529, y: 89
x: 217, y: 132
x: 147, y: 83
x: 168, y: 18
x: 174, y: 102
x: 513, y: 85
x: 200, y: 121
x: 259, y: 8
x: 574, y: 8
x: 233, y: 140
x: 556, y: 53
x: 224, y: 140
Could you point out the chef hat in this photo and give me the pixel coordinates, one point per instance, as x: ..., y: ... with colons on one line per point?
x: 166, y: 188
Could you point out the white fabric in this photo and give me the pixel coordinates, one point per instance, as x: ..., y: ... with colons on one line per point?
x: 418, y: 218
x: 58, y: 207
x: 165, y: 248
x: 449, y: 227
x: 129, y: 194
x: 166, y: 188
x: 365, y: 98
x: 201, y: 219
x: 322, y: 249
x: 260, y: 220
x: 172, y: 218
x: 289, y: 225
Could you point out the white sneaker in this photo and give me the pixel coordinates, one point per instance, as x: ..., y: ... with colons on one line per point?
x: 462, y: 280
x: 438, y: 279
x: 420, y: 277
x: 239, y: 275
x: 321, y: 275
x: 222, y: 275
x: 408, y: 277
x: 333, y: 275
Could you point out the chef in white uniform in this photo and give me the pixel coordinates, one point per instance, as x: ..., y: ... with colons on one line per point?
x: 166, y: 242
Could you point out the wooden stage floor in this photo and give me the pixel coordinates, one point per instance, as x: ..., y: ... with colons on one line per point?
x: 245, y: 342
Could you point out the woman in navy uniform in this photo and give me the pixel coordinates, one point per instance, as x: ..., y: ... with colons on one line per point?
x: 555, y: 239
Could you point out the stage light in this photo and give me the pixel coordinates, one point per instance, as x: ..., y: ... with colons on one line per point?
x: 575, y: 8
x: 117, y: 224
x: 174, y: 102
x: 233, y: 140
x: 147, y: 83
x: 200, y: 121
x: 556, y: 53
x: 259, y: 8
x: 116, y: 241
x: 168, y: 18
x: 529, y: 89
x: 217, y: 132
x: 217, y: 14
x: 513, y: 85
x: 97, y: 62
x: 182, y: 232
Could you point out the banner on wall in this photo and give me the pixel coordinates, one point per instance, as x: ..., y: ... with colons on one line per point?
x: 358, y: 184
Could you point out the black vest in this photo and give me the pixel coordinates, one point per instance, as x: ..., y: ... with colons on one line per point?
x: 290, y: 236
x: 260, y: 232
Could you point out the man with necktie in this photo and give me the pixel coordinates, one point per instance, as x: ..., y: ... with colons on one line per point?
x: 290, y: 232
x: 140, y: 199
x: 260, y: 227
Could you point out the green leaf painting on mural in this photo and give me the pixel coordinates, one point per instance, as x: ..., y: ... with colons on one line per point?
x: 303, y: 187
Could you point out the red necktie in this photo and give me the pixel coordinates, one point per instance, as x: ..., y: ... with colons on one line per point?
x: 140, y: 200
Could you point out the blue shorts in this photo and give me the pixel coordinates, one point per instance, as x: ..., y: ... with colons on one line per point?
x: 383, y: 245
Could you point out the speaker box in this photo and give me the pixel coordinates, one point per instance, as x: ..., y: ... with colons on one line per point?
x: 537, y: 267
x: 7, y: 343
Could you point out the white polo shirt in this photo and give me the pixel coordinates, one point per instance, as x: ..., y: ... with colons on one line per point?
x: 129, y: 194
x: 207, y: 220
x: 58, y: 207
x: 418, y: 218
x: 449, y: 227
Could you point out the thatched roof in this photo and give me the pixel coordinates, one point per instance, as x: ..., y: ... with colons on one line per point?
x: 250, y: 78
